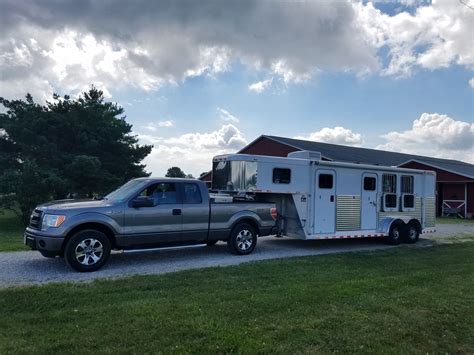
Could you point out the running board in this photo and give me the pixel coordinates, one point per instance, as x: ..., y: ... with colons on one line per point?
x: 162, y: 248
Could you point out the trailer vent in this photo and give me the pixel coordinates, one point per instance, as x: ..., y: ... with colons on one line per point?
x: 348, y: 212
x: 305, y: 154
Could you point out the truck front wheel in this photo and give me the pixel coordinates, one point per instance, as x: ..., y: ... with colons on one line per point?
x: 87, y: 250
x: 242, y: 239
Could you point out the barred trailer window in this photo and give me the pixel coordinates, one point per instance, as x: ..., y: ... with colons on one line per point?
x: 407, y: 184
x: 389, y: 183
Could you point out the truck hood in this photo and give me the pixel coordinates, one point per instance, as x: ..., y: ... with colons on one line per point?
x: 75, y: 204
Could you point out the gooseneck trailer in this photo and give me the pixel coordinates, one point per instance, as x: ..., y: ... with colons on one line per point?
x: 319, y: 199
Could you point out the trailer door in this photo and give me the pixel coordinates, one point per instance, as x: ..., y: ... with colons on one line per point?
x: 369, y: 202
x: 325, y: 202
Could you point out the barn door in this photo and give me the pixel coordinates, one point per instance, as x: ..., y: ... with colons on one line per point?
x: 325, y: 202
x: 369, y: 202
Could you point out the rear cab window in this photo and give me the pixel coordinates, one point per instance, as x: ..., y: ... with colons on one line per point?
x: 192, y: 193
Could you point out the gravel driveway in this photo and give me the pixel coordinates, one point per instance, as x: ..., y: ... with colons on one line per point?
x: 29, y: 267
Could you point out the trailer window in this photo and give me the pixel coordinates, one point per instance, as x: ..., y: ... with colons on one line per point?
x: 281, y: 176
x: 390, y: 201
x: 407, y: 184
x: 325, y: 181
x: 408, y: 201
x: 389, y: 183
x: 370, y: 183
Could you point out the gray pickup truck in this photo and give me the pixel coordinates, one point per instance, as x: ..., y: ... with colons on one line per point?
x: 146, y: 213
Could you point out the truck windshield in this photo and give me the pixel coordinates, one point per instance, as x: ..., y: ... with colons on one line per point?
x: 126, y: 190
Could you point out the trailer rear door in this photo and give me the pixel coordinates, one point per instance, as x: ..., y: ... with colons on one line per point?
x: 325, y: 202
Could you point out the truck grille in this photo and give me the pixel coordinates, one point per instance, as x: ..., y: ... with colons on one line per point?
x: 36, y: 219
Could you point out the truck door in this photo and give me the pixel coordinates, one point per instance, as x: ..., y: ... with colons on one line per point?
x: 325, y: 202
x: 369, y: 202
x: 160, y: 223
x: 195, y: 213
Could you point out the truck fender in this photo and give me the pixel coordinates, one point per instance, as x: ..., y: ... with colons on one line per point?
x: 246, y: 215
x: 92, y: 217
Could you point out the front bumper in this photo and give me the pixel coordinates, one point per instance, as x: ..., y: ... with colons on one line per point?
x: 42, y: 243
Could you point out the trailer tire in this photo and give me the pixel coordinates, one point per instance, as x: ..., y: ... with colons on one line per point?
x: 87, y: 250
x: 242, y: 239
x: 395, y: 233
x: 411, y: 233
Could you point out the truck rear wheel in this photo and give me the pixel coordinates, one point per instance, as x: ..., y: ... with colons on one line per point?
x: 87, y: 250
x: 394, y: 236
x: 242, y: 239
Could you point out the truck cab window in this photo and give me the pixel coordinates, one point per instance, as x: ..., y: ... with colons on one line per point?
x: 325, y: 181
x: 281, y: 176
x: 192, y: 194
x: 162, y: 193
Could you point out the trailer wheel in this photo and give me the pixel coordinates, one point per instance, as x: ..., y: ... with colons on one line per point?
x: 411, y: 234
x: 395, y: 233
x: 87, y: 250
x: 242, y: 239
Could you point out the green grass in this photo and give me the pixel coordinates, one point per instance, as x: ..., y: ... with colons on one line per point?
x: 11, y: 232
x: 454, y: 220
x: 403, y: 300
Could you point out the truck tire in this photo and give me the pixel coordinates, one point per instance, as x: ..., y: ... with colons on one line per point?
x: 394, y: 236
x: 411, y: 233
x: 87, y: 250
x: 242, y: 239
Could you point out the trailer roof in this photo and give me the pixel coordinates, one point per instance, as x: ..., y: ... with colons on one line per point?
x: 299, y: 161
x: 348, y: 154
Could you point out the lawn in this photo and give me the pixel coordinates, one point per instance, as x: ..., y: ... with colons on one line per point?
x: 11, y: 232
x: 454, y: 220
x: 404, y: 300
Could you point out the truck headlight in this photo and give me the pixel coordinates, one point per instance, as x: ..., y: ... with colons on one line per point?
x: 52, y: 220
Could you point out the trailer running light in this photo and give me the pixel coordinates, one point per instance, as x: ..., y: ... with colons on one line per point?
x: 274, y: 213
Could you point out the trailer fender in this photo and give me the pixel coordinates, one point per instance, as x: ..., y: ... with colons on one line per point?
x: 386, y: 223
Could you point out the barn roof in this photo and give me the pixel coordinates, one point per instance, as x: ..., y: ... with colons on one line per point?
x: 374, y: 156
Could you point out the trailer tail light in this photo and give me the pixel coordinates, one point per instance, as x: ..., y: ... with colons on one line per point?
x: 274, y: 213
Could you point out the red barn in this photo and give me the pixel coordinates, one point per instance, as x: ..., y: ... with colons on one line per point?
x: 455, y: 179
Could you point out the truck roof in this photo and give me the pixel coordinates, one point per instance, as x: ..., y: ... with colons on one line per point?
x: 168, y: 179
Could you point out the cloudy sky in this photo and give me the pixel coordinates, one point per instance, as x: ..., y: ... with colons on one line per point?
x: 200, y: 78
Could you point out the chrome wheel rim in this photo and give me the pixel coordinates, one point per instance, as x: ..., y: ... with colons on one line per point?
x: 244, y: 240
x: 89, y: 251
x: 412, y: 233
x: 396, y: 233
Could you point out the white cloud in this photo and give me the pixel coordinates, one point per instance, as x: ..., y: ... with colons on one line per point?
x: 435, y: 36
x: 192, y: 152
x: 166, y: 124
x: 227, y: 116
x: 46, y: 47
x: 435, y: 135
x: 471, y: 83
x: 153, y: 127
x: 336, y: 135
x: 260, y: 86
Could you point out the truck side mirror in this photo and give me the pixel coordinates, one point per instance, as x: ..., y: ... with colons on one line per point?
x: 142, y: 201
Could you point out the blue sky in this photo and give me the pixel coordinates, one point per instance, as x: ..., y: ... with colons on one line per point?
x: 206, y: 78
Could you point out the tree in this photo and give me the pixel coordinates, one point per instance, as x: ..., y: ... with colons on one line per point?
x: 175, y: 172
x: 80, y: 146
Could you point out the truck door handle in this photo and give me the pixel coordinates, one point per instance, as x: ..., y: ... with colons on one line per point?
x: 332, y: 198
x: 177, y: 212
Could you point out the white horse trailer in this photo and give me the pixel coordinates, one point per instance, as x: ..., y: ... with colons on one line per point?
x: 319, y: 199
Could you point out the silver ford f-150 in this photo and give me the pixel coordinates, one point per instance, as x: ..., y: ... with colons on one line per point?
x: 146, y: 213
